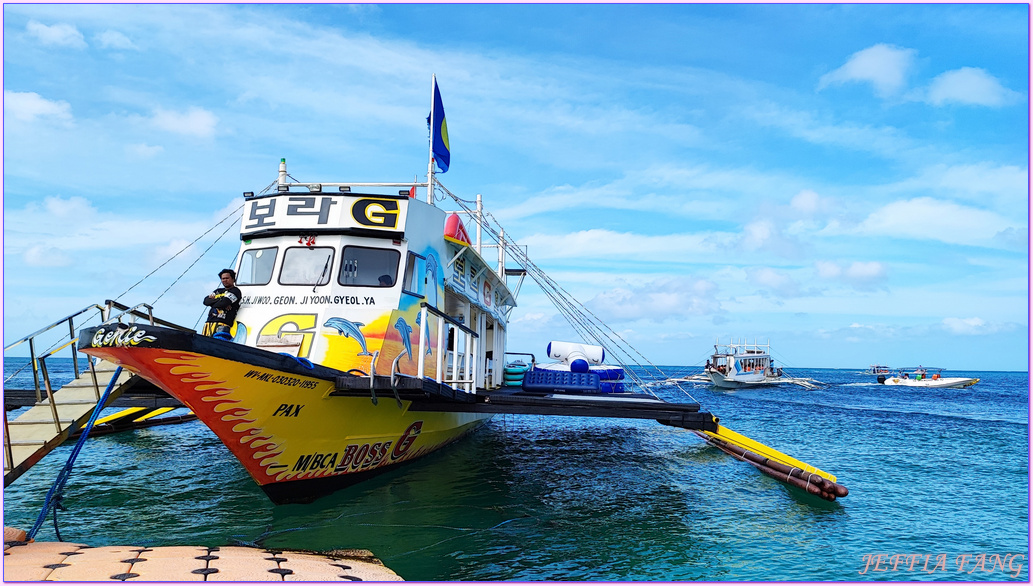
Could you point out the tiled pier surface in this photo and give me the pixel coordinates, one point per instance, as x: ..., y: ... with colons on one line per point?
x: 62, y: 561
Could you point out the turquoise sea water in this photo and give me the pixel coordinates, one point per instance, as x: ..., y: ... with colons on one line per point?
x: 936, y: 475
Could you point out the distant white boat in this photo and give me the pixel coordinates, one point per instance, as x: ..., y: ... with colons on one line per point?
x: 878, y: 369
x: 739, y: 364
x: 921, y: 377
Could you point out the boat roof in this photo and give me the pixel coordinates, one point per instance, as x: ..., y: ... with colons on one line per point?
x: 742, y: 348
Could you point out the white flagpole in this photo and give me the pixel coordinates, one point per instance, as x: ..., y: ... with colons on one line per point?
x: 430, y: 160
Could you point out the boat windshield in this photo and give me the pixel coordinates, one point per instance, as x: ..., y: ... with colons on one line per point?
x: 362, y: 266
x: 306, y: 266
x: 256, y: 266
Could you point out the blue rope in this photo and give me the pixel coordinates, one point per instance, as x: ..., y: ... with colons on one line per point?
x: 302, y: 361
x: 54, y: 495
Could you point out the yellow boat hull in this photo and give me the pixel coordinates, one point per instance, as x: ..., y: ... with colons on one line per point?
x: 296, y: 438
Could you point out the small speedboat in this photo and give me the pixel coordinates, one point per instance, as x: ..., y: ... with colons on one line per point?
x: 921, y: 377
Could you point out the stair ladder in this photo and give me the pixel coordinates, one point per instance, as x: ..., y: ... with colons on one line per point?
x: 59, y: 413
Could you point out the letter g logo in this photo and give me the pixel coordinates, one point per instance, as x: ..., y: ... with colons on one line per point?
x: 378, y: 213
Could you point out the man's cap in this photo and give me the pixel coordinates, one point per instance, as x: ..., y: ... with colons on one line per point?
x: 230, y: 271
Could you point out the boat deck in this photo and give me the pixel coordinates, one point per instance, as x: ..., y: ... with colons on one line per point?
x: 612, y: 405
x: 63, y: 561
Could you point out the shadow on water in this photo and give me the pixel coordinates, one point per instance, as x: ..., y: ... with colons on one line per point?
x: 520, y: 500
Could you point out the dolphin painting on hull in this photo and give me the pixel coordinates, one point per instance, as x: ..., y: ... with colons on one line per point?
x: 431, y: 289
x: 241, y: 336
x: 349, y: 329
x: 404, y: 330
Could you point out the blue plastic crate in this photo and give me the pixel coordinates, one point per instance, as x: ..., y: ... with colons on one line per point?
x: 560, y: 381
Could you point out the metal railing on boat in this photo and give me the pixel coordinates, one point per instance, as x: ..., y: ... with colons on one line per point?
x: 71, y: 410
x: 463, y: 366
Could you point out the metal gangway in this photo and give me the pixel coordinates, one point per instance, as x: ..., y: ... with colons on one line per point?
x: 59, y: 413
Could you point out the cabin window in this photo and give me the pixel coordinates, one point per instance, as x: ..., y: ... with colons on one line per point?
x: 256, y: 266
x: 415, y: 269
x: 306, y: 266
x: 368, y: 267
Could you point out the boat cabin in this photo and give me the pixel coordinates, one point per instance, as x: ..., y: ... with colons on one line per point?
x: 741, y: 362
x: 370, y: 283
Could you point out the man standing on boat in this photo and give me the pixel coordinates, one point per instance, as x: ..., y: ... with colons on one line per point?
x: 224, y: 303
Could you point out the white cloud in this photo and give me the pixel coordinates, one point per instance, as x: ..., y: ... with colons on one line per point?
x: 884, y: 66
x: 144, y: 151
x: 769, y: 237
x: 658, y: 300
x: 884, y: 140
x: 858, y: 274
x: 193, y: 122
x: 1007, y: 185
x: 865, y: 274
x: 925, y: 218
x: 1014, y: 238
x: 807, y: 202
x: 160, y: 253
x: 966, y: 326
x: 693, y: 191
x: 61, y: 35
x: 75, y: 208
x: 778, y: 282
x: 537, y: 321
x: 28, y: 106
x: 757, y: 234
x: 866, y: 270
x: 115, y: 40
x: 46, y: 256
x: 597, y: 244
x: 827, y: 270
x: 73, y: 223
x: 969, y: 86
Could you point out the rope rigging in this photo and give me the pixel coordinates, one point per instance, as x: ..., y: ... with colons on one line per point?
x: 56, y: 492
x: 184, y: 249
x: 235, y: 212
x: 581, y: 319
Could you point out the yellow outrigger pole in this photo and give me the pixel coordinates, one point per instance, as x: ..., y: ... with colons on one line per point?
x: 775, y: 464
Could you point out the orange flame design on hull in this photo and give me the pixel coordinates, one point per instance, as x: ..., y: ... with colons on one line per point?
x: 244, y: 407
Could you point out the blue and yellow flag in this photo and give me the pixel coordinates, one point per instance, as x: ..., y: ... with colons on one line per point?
x: 439, y: 132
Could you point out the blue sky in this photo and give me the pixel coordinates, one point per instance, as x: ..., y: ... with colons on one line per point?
x: 850, y: 182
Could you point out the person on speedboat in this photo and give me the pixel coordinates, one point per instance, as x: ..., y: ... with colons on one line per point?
x: 224, y: 303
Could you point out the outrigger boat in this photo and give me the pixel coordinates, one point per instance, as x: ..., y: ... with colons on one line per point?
x: 739, y: 364
x: 920, y: 377
x: 372, y: 332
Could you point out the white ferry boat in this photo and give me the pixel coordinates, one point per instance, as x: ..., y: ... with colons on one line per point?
x: 739, y: 364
